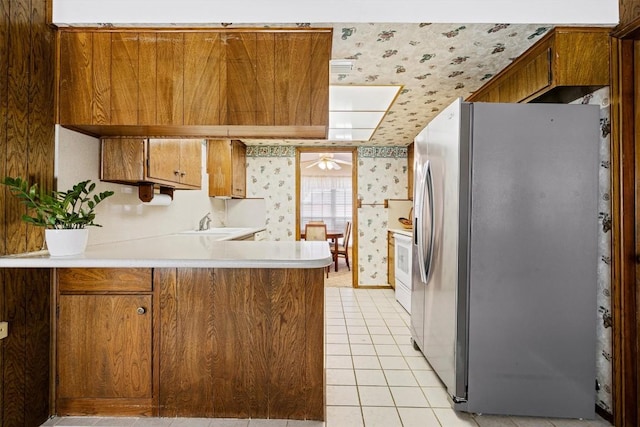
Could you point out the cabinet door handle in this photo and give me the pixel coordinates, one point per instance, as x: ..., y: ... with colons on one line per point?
x: 176, y: 172
x: 183, y: 173
x: 141, y: 310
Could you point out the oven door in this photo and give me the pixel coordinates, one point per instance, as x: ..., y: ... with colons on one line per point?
x: 403, y: 259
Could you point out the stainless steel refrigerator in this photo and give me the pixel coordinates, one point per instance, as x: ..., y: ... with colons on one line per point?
x: 504, y: 250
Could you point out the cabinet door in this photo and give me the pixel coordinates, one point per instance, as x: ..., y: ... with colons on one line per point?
x: 241, y: 80
x: 75, y: 81
x: 124, y: 78
x: 164, y: 159
x: 293, y: 79
x: 170, y: 76
x: 238, y: 169
x: 122, y: 159
x: 147, y: 85
x: 104, y: 347
x: 202, y: 82
x: 191, y: 162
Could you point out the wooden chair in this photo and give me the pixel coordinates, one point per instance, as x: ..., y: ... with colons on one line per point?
x: 343, y: 248
x: 316, y: 232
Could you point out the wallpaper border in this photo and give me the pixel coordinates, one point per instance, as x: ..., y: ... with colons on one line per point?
x: 290, y: 151
x: 382, y: 152
x: 271, y: 151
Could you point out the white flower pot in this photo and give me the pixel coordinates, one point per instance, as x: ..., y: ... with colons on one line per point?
x: 66, y: 242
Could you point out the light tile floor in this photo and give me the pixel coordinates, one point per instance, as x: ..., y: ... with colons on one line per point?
x: 374, y: 377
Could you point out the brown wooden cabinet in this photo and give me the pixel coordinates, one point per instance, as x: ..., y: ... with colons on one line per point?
x: 199, y: 83
x: 226, y: 165
x: 104, y: 347
x: 565, y: 64
x: 176, y: 160
x: 194, y: 342
x: 173, y: 163
x: 391, y: 259
x: 203, y: 86
x: 259, y: 335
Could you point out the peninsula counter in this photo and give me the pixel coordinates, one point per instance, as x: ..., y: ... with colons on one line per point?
x: 185, y: 325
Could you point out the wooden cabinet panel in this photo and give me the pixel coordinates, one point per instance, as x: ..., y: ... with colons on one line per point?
x: 175, y: 160
x: 124, y: 78
x: 191, y: 162
x: 249, y: 324
x: 104, y: 342
x: 320, y: 56
x: 391, y: 259
x: 202, y: 81
x: 101, y: 68
x: 164, y: 159
x: 104, y: 279
x: 241, y: 79
x: 238, y: 169
x: 123, y: 159
x: 265, y: 88
x: 241, y: 334
x: 170, y: 77
x: 293, y: 79
x: 148, y: 80
x: 186, y: 370
x: 76, y: 80
x: 226, y: 165
x: 105, y: 346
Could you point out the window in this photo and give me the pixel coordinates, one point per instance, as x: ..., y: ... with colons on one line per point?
x: 326, y: 199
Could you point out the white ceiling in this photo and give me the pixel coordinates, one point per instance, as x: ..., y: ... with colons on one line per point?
x: 590, y: 12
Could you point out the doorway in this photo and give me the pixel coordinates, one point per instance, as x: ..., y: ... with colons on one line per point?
x: 326, y: 190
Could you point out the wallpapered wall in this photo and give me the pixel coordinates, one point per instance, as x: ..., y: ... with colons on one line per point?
x: 382, y: 174
x: 604, y: 344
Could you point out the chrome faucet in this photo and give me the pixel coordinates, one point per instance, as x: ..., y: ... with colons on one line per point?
x: 205, y: 222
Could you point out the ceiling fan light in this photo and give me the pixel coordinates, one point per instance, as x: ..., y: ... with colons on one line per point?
x: 329, y: 165
x: 322, y: 165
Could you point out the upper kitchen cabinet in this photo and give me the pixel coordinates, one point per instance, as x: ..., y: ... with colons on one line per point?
x: 174, y: 163
x: 565, y: 64
x: 205, y: 83
x: 202, y: 83
x: 226, y: 165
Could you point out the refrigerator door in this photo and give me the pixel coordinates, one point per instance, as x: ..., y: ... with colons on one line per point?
x: 435, y: 251
x: 533, y: 260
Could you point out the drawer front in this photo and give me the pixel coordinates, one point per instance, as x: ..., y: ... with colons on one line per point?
x: 104, y: 279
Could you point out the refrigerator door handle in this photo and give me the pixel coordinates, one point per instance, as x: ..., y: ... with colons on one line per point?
x: 425, y: 184
x: 429, y: 259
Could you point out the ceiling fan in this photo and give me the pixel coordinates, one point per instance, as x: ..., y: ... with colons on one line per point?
x: 327, y: 162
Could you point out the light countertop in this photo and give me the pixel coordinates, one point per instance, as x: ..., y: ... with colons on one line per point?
x: 404, y: 231
x: 189, y: 249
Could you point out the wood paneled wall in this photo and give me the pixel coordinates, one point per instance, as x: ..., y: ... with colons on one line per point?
x: 27, y: 150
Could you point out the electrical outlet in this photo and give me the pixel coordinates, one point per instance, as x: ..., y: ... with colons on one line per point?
x: 4, y: 329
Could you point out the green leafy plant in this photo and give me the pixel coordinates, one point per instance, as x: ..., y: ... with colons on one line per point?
x: 69, y: 209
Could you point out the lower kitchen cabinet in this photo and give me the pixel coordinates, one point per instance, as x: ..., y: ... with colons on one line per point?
x: 104, y: 342
x: 190, y: 342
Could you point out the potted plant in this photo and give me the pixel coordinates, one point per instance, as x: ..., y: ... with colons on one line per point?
x: 64, y: 214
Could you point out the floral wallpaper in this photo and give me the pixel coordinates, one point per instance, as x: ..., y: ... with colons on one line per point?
x: 382, y: 174
x: 604, y: 339
x: 434, y: 64
x: 271, y: 174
